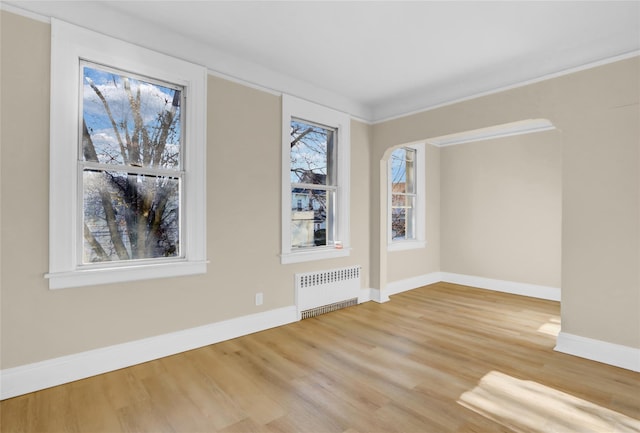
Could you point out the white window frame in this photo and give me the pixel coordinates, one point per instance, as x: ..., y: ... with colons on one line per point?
x: 300, y: 109
x: 69, y: 45
x: 419, y: 240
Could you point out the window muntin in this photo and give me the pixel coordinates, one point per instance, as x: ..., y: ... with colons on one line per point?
x: 313, y: 185
x: 403, y: 194
x: 129, y: 164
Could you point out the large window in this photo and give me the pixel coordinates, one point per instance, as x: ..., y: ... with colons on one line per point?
x: 129, y: 166
x: 127, y: 162
x: 315, y: 182
x: 406, y: 197
x: 313, y: 185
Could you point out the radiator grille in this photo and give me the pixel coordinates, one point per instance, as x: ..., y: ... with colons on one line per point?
x: 329, y: 308
x: 329, y: 290
x: 327, y: 277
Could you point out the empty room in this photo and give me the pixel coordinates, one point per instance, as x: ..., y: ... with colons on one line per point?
x: 310, y: 216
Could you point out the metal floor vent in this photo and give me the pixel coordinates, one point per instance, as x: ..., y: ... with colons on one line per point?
x: 313, y: 312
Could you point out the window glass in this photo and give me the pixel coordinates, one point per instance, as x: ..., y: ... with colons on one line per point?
x: 130, y: 121
x: 403, y: 193
x: 312, y: 175
x: 129, y: 216
x: 131, y: 145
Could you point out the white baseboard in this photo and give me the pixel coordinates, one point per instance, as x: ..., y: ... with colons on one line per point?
x: 365, y: 295
x: 45, y: 374
x: 513, y: 287
x: 523, y: 289
x: 379, y: 296
x: 601, y: 351
x: 400, y: 286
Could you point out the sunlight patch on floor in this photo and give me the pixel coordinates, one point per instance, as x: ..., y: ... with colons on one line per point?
x: 552, y: 327
x: 527, y: 406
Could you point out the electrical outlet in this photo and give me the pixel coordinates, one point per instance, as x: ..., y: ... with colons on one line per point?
x: 259, y: 298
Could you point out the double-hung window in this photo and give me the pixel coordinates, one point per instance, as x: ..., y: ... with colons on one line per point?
x: 313, y: 185
x: 127, y: 162
x: 406, y: 197
x: 315, y: 182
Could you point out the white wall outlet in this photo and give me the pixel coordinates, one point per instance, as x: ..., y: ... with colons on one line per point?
x: 259, y: 298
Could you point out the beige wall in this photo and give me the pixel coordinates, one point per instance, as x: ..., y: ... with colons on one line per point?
x: 243, y: 220
x: 596, y: 112
x: 501, y: 208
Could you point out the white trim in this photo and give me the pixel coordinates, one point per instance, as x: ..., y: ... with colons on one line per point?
x: 40, y: 375
x: 69, y: 45
x: 226, y: 65
x: 24, y: 13
x: 498, y: 131
x: 411, y: 244
x: 269, y: 90
x: 309, y: 255
x: 217, y: 61
x: 405, y: 113
x: 400, y: 286
x: 365, y: 295
x: 305, y: 110
x: 244, y: 83
x: 87, y: 277
x: 243, y: 71
x: 513, y: 287
x: 379, y: 296
x: 600, y: 351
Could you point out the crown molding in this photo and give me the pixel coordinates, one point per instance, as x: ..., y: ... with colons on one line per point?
x: 250, y: 74
x: 385, y: 114
x: 23, y: 12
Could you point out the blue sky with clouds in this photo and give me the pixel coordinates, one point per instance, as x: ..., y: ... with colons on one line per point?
x: 154, y: 99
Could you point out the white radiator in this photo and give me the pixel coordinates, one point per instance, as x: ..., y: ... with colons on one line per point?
x: 324, y: 291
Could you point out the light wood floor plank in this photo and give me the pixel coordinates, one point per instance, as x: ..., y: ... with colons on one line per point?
x: 442, y: 358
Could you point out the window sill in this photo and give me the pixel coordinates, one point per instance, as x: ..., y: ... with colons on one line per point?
x: 406, y: 245
x: 92, y: 277
x: 308, y: 256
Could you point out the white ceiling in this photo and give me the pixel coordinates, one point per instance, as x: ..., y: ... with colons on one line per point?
x: 374, y: 60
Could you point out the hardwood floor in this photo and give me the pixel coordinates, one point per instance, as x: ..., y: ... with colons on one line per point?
x: 442, y: 358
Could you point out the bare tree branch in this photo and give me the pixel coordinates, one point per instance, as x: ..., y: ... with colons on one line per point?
x: 97, y: 91
x: 166, y: 124
x: 95, y: 245
x: 301, y: 136
x: 105, y: 198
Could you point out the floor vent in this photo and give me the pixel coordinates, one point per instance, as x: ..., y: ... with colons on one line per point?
x: 328, y: 308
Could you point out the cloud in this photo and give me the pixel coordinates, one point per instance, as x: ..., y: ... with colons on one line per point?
x: 107, y: 148
x: 152, y: 102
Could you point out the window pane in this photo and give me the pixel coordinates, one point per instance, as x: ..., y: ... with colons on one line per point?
x: 128, y: 121
x: 130, y: 216
x: 402, y: 217
x: 312, y: 154
x: 403, y: 176
x: 398, y: 170
x: 411, y: 170
x: 311, y: 217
